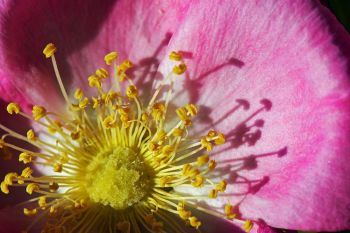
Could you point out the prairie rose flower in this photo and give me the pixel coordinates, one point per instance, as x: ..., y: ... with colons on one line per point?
x: 237, y: 110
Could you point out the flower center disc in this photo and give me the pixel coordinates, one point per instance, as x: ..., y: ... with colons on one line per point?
x: 118, y: 178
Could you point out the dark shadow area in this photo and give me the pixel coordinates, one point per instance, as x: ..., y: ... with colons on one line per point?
x: 30, y: 25
x: 9, y: 158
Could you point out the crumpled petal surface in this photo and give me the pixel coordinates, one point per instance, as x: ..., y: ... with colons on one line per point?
x: 287, y: 52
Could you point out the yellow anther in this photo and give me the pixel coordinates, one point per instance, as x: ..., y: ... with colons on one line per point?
x: 206, y: 144
x: 189, y: 171
x: 177, y: 132
x: 28, y: 212
x: 132, y: 91
x: 31, y: 135
x: 199, y: 181
x: 165, y: 180
x: 179, y: 69
x: 161, y: 136
x: 64, y: 158
x: 248, y: 225
x: 194, y: 222
x: 180, y: 206
x: 102, y: 73
x: 25, y: 157
x: 175, y: 56
x: 184, y: 214
x: 78, y: 94
x: 182, y: 114
x: 32, y: 187
x: 2, y: 143
x: 20, y: 180
x: 38, y: 112
x: 220, y: 139
x: 167, y: 150
x: 75, y: 107
x: 153, y: 146
x: 94, y: 81
x: 123, y: 227
x: 109, y: 122
x: 13, y: 108
x: 57, y: 167
x: 10, y: 177
x: 49, y: 50
x: 110, y: 57
x: 212, y: 165
x: 27, y: 172
x: 229, y: 211
x: 95, y: 102
x: 4, y: 187
x: 84, y: 103
x: 202, y: 160
x: 125, y: 65
x: 111, y: 95
x: 213, y: 193
x: 192, y: 109
x: 186, y: 169
x: 53, y: 187
x: 158, y: 110
x: 221, y: 186
x: 144, y: 117
x: 42, y: 202
x: 53, y: 210
x: 211, y: 134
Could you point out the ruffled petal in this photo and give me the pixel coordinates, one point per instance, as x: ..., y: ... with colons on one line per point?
x: 287, y: 156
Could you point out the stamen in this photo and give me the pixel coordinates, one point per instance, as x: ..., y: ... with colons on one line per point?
x: 115, y: 161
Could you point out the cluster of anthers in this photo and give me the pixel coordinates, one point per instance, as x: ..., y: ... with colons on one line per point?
x: 116, y: 162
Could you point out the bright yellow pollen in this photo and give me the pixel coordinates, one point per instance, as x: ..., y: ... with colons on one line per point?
x: 13, y: 108
x: 118, y: 178
x: 118, y: 158
x: 49, y: 50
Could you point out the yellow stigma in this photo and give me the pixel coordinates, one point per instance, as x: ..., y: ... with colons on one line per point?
x: 117, y: 159
x: 118, y: 178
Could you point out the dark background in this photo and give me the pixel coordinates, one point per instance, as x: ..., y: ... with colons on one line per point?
x: 341, y: 9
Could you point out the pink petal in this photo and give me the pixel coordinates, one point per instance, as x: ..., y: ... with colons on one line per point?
x: 84, y: 31
x: 294, y: 55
